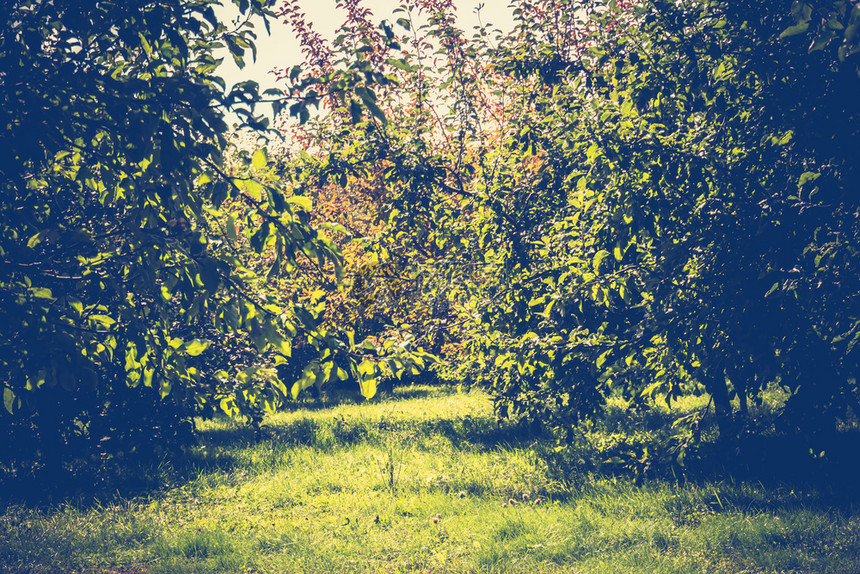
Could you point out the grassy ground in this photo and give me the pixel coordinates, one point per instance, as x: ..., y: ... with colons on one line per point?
x: 424, y: 482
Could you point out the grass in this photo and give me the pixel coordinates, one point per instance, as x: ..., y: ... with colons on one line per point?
x: 356, y: 487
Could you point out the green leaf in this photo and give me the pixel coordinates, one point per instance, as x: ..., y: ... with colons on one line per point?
x: 308, y: 379
x: 651, y: 389
x: 148, y: 375
x: 602, y: 358
x: 284, y: 347
x: 368, y: 387
x: 598, y: 258
x: 795, y: 30
x: 35, y: 240
x: 302, y: 201
x: 819, y: 43
x: 103, y: 320
x: 195, y: 347
x: 41, y: 293
x: 145, y: 44
x: 807, y: 177
x: 400, y: 64
x: 260, y: 159
x: 231, y: 228
x: 786, y: 137
x: 254, y: 189
x: 354, y: 112
x: 76, y: 304
x: 9, y: 400
x: 376, y: 111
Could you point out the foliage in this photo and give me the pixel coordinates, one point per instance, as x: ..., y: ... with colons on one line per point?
x: 125, y: 232
x: 691, y: 183
x: 647, y: 199
x: 373, y: 161
x: 391, y: 295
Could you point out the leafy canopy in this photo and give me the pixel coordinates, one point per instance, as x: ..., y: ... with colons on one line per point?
x: 120, y: 260
x: 650, y: 199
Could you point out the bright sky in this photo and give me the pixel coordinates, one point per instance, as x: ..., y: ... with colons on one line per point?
x: 281, y: 50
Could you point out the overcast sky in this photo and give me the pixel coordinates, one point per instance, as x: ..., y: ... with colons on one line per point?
x: 280, y: 50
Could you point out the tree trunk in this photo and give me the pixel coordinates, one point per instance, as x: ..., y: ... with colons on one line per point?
x: 51, y: 441
x: 719, y: 391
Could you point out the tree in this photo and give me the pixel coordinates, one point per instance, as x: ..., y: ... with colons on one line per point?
x: 657, y: 195
x: 675, y: 239
x: 394, y: 287
x: 116, y: 251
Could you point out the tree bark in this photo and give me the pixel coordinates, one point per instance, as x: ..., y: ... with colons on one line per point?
x: 51, y: 441
x: 719, y: 390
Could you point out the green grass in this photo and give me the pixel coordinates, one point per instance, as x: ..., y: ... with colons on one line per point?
x: 355, y: 488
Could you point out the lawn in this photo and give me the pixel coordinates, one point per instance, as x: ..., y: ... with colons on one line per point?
x: 426, y: 480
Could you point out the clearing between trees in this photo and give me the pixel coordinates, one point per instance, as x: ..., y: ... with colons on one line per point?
x: 427, y: 480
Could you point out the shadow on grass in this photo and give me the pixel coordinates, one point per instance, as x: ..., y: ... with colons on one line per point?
x: 346, y: 394
x: 219, y: 450
x: 619, y: 446
x: 326, y: 434
x: 88, y: 483
x: 799, y: 460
